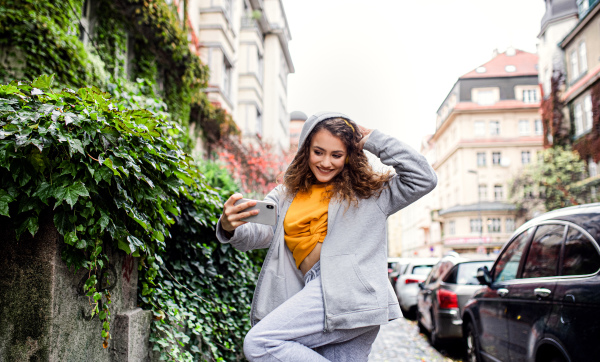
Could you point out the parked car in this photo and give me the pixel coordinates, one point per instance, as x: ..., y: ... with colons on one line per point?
x: 407, y: 284
x: 541, y: 299
x: 443, y: 295
x: 396, y: 267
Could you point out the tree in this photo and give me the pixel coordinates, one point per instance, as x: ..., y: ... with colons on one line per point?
x: 551, y: 183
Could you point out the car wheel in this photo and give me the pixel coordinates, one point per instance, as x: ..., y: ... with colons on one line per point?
x: 558, y: 359
x: 471, y: 344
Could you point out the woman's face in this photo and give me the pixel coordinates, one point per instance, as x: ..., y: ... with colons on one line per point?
x: 327, y: 156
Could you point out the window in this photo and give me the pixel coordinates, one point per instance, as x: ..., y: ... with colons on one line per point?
x: 496, y: 158
x: 581, y: 257
x: 542, y: 258
x: 451, y: 227
x: 480, y: 159
x: 582, y: 58
x: 479, y: 128
x: 261, y: 67
x: 578, y: 118
x: 524, y: 127
x: 508, y: 263
x: 530, y: 96
x: 498, y: 192
x: 592, y: 167
x: 582, y: 6
x: 227, y: 9
x: 259, y: 125
x: 539, y: 130
x: 494, y: 128
x: 482, y: 192
x: 466, y: 273
x: 587, y: 106
x: 475, y: 226
x: 509, y: 224
x: 494, y: 225
x: 574, y: 65
x: 226, y: 86
x: 525, y: 157
x: 486, y: 97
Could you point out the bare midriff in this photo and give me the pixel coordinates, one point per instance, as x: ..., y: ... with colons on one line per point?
x: 313, y: 257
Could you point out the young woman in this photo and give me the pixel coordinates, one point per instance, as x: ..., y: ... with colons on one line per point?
x: 323, y: 290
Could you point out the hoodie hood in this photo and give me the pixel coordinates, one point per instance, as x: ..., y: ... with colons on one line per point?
x: 312, y: 121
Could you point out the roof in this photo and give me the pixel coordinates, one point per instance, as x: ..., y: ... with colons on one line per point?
x: 298, y: 116
x: 483, y: 206
x: 524, y: 63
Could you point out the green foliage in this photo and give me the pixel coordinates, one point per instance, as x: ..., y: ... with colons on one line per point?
x: 552, y: 182
x: 108, y: 175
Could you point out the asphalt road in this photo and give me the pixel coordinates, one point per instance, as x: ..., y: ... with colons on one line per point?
x: 400, y: 340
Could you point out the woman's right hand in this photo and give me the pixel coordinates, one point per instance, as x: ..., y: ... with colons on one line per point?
x: 232, y: 214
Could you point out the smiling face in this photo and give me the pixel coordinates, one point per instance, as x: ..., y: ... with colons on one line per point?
x: 327, y: 156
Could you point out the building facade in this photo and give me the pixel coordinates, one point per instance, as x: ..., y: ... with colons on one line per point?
x: 487, y: 129
x: 581, y: 47
x: 245, y: 45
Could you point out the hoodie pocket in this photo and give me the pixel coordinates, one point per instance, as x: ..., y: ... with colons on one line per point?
x: 345, y: 286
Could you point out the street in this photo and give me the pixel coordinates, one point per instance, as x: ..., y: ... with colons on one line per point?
x: 400, y: 340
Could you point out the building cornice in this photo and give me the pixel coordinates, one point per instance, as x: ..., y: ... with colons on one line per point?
x: 582, y: 84
x: 579, y: 27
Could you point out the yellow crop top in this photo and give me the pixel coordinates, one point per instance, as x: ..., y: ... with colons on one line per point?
x: 305, y: 222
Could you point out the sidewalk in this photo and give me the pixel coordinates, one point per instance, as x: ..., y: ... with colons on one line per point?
x: 400, y: 341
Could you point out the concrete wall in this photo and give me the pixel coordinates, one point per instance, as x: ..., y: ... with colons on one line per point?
x: 44, y: 313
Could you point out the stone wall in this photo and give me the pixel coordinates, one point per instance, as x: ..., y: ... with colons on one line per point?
x: 44, y: 313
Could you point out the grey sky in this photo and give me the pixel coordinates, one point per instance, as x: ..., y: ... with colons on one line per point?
x: 388, y: 64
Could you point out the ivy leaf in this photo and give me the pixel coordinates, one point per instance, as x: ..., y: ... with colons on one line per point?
x: 30, y: 223
x: 70, y: 194
x: 71, y: 238
x: 43, y: 81
x: 5, y: 199
x: 75, y: 145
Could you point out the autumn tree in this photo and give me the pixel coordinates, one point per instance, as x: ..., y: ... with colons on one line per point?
x: 551, y: 183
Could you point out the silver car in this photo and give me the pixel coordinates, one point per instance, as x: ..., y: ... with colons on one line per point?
x: 407, y: 284
x: 444, y: 293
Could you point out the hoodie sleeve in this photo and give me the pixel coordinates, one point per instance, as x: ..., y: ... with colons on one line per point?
x: 414, y: 176
x: 252, y: 236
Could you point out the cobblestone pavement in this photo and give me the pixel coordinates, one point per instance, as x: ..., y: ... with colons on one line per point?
x: 400, y: 340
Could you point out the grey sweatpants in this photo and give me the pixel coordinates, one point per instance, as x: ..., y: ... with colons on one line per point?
x: 294, y: 331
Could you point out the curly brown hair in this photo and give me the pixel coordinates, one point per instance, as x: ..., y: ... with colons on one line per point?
x: 356, y: 181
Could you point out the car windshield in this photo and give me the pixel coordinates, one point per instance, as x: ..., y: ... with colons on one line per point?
x: 421, y: 269
x: 466, y: 273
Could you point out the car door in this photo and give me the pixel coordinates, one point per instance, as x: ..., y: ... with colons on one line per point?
x: 425, y: 298
x: 492, y: 328
x: 575, y: 320
x: 529, y: 297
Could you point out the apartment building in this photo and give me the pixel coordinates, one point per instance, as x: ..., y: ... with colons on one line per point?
x: 487, y: 129
x: 245, y: 45
x: 560, y: 17
x: 419, y: 235
x: 581, y: 47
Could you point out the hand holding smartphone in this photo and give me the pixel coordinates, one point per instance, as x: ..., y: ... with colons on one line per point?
x: 267, y: 212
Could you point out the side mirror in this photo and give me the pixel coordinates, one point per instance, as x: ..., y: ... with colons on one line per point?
x: 483, y: 276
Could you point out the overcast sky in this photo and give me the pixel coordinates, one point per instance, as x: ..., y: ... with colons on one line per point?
x: 389, y: 64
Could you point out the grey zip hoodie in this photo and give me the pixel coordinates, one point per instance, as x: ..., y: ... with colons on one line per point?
x: 356, y: 290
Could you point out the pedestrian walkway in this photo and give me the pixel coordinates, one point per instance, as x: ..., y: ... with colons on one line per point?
x: 400, y: 341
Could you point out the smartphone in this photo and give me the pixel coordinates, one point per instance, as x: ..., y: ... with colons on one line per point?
x: 267, y: 212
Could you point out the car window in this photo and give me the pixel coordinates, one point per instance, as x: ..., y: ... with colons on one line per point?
x: 421, y: 269
x: 544, y: 252
x: 508, y: 263
x: 466, y: 273
x: 433, y: 275
x: 581, y: 257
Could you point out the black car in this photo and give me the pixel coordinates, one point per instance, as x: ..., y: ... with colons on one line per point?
x: 541, y: 299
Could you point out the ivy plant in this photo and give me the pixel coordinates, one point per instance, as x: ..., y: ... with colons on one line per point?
x: 107, y: 175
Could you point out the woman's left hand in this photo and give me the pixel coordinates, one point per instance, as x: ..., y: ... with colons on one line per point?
x: 365, y: 135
